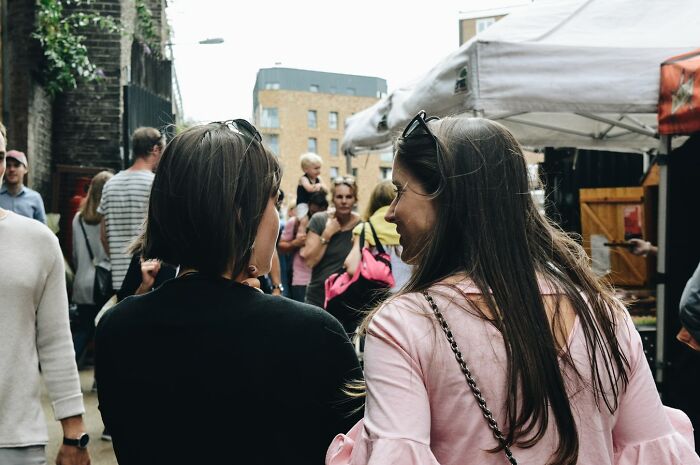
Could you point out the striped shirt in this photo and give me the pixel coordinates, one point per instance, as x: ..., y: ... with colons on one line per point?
x: 124, y: 204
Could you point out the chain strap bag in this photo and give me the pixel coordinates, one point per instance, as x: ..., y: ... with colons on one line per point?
x: 471, y: 382
x: 102, y: 287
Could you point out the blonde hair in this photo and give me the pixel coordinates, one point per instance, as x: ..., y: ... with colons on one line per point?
x: 382, y: 196
x: 89, y: 209
x: 309, y: 159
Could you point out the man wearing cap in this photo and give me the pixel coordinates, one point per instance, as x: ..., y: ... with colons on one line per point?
x: 35, y: 343
x: 14, y: 195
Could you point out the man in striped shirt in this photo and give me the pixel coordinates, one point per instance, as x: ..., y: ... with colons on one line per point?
x: 125, y: 200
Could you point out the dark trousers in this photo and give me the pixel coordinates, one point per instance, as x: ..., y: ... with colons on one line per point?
x: 83, y: 328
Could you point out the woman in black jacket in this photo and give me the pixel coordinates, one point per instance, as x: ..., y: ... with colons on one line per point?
x: 206, y: 368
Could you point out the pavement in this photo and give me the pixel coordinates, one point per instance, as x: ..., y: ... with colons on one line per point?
x: 101, y: 452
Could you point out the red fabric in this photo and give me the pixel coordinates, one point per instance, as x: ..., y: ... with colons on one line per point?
x: 679, y: 99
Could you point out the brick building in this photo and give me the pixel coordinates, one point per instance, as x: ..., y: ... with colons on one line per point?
x: 86, y: 129
x: 299, y: 111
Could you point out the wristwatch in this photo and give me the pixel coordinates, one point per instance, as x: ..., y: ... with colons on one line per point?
x: 81, y: 442
x: 324, y: 241
x: 278, y: 286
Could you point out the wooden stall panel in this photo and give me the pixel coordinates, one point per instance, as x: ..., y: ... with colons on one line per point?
x: 609, y: 218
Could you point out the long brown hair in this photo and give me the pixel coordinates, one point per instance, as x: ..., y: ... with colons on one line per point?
x: 88, y: 211
x: 503, y: 244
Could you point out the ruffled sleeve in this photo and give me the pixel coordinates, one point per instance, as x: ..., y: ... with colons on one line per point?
x: 355, y: 448
x: 646, y: 432
x: 396, y: 427
x: 675, y: 448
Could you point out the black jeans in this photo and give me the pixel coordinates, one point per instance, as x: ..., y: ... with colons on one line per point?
x: 83, y: 328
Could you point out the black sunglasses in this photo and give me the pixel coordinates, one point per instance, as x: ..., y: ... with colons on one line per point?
x: 419, y: 127
x: 243, y: 127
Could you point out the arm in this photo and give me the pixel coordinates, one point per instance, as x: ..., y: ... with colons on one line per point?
x: 644, y: 426
x: 288, y: 243
x: 353, y: 258
x: 321, y: 185
x: 276, y: 273
x: 690, y: 310
x: 73, y: 427
x: 57, y: 359
x: 103, y: 235
x: 39, y: 211
x: 306, y: 184
x: 315, y: 248
x: 313, y: 251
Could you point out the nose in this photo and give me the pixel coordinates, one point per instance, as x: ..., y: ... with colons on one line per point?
x: 390, y: 215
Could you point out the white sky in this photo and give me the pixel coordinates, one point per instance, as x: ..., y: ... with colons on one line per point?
x: 395, y: 40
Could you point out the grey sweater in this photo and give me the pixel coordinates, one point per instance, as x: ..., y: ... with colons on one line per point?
x: 34, y: 331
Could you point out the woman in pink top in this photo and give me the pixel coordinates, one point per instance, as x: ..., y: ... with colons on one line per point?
x: 554, y: 355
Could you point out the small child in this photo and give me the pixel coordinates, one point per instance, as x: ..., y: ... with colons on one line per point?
x: 309, y: 183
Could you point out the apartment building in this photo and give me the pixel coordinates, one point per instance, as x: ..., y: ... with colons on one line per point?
x: 299, y: 111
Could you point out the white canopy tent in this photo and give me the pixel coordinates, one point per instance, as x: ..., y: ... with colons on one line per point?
x: 557, y: 73
x: 573, y: 73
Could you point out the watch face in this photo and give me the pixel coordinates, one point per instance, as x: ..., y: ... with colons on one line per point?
x: 83, y: 440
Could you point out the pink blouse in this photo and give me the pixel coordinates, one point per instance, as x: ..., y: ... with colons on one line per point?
x: 420, y: 411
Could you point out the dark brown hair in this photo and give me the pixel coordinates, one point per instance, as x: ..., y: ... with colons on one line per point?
x: 210, y: 191
x: 143, y: 140
x: 499, y: 240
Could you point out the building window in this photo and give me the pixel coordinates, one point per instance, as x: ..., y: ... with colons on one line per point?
x: 311, y: 118
x: 350, y: 91
x: 483, y: 23
x: 311, y: 145
x: 354, y: 173
x: 334, y: 148
x: 273, y: 143
x: 313, y: 88
x: 272, y: 85
x: 385, y: 173
x: 333, y: 120
x: 387, y: 156
x: 270, y: 118
x: 334, y: 172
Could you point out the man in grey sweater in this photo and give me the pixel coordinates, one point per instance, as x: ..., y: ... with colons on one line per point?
x: 34, y: 333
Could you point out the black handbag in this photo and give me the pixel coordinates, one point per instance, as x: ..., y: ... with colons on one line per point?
x: 102, y: 289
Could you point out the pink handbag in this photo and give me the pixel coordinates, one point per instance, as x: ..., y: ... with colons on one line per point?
x: 347, y: 296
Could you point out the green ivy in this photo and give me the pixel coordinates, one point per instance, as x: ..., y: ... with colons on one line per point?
x: 145, y: 28
x: 65, y: 53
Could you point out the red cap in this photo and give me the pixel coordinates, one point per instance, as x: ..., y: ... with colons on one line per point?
x: 17, y: 155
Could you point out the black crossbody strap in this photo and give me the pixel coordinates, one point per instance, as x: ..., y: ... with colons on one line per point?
x: 87, y: 241
x: 471, y: 382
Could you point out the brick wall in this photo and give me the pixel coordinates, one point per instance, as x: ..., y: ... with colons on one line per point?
x: 39, y: 125
x: 30, y: 108
x: 87, y: 120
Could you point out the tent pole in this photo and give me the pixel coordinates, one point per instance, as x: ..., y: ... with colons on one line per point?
x: 664, y: 149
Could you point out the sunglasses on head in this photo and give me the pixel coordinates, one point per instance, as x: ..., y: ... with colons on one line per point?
x: 243, y: 128
x: 418, y: 126
x: 344, y: 180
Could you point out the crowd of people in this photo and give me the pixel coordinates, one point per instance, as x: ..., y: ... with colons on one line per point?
x: 495, y: 344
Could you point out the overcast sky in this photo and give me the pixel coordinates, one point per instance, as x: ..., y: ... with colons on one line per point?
x: 395, y: 40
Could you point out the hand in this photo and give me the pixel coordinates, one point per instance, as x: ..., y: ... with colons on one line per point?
x: 276, y: 292
x: 71, y: 455
x: 686, y: 338
x: 299, y: 241
x: 640, y: 247
x: 332, y: 226
x: 149, y: 271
